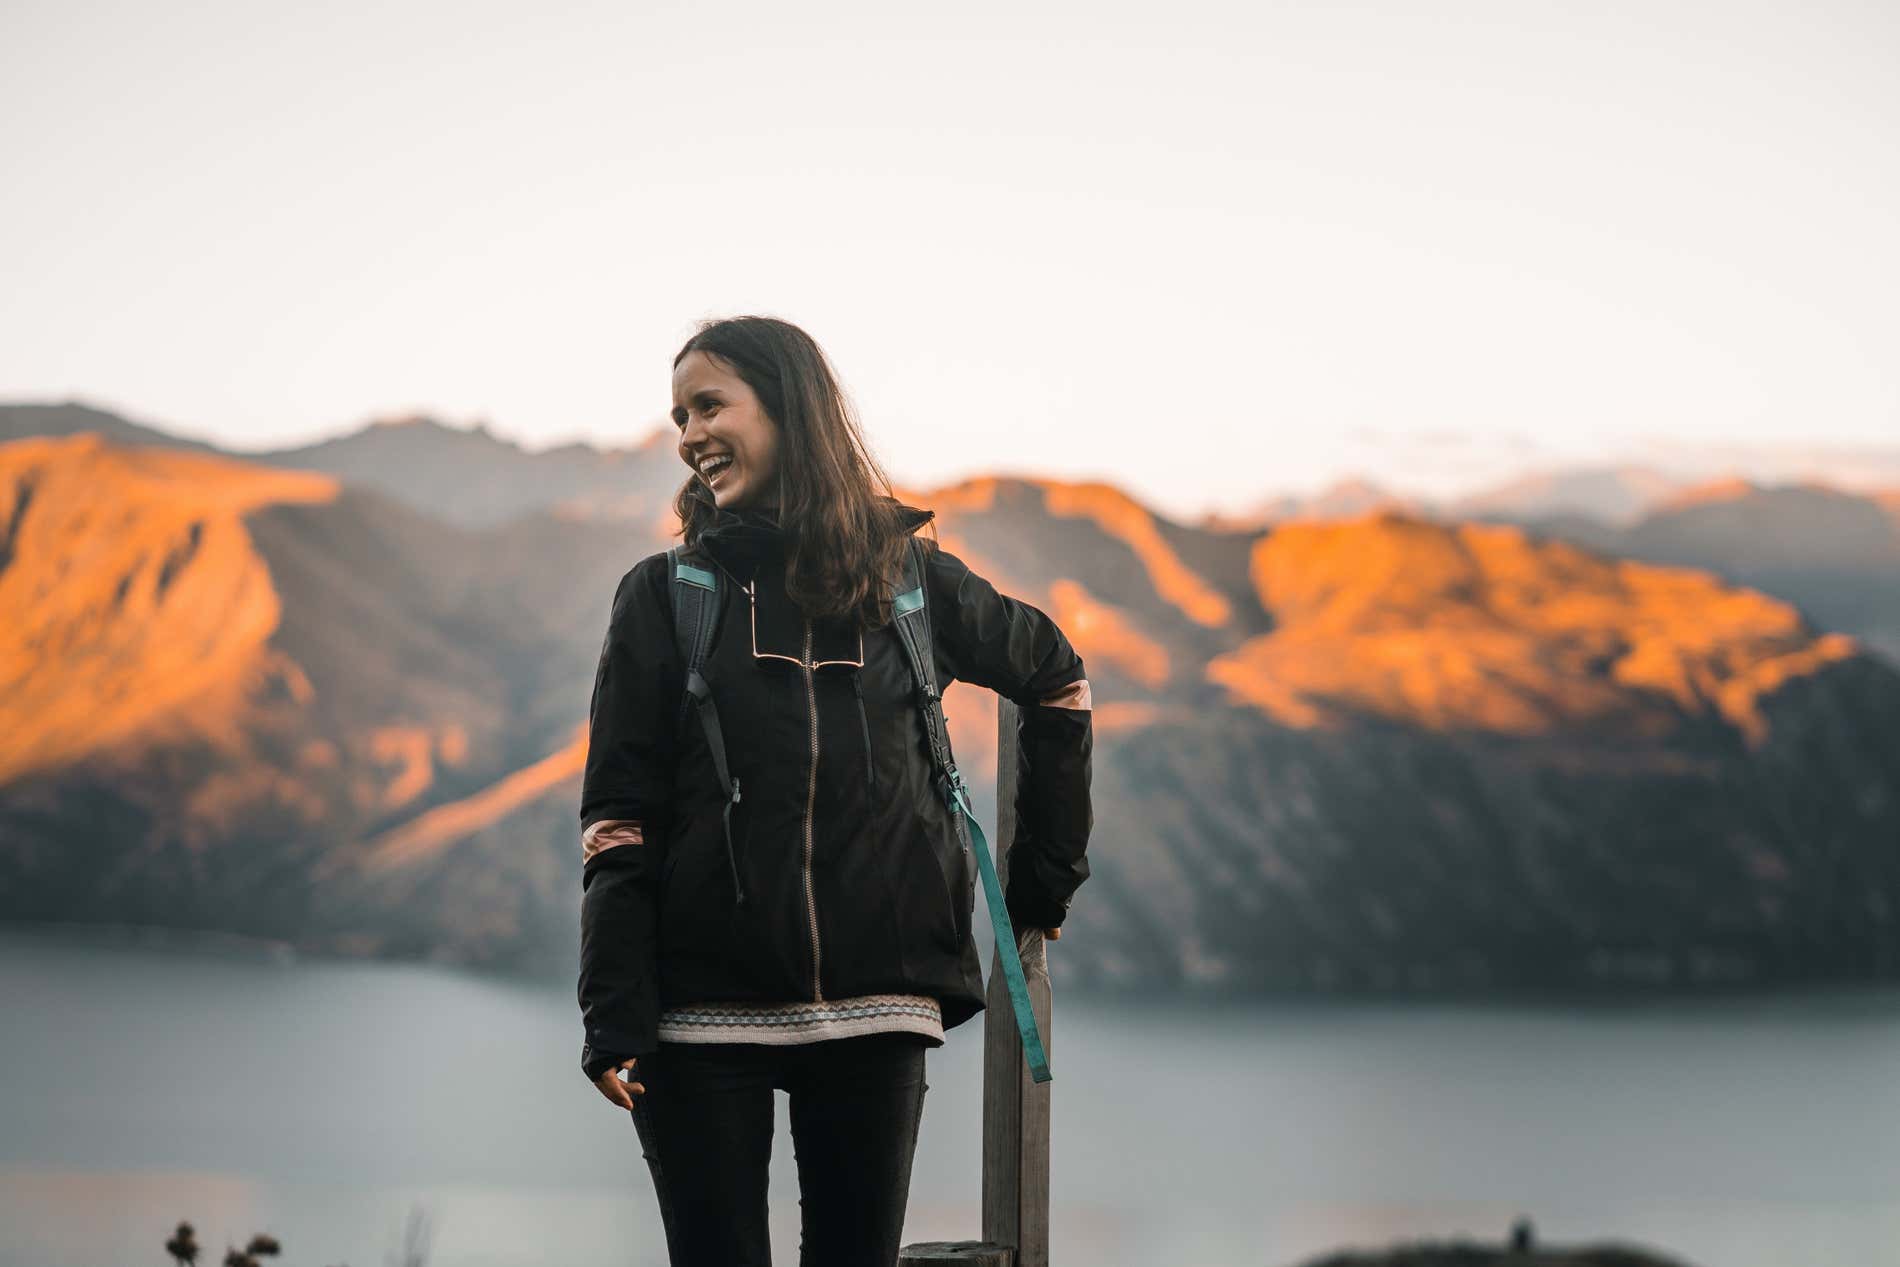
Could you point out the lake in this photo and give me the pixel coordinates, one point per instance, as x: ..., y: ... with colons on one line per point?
x: 324, y: 1101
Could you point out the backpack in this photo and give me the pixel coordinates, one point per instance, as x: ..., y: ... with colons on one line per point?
x: 697, y: 606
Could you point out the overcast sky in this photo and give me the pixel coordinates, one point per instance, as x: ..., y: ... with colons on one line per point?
x: 1204, y: 251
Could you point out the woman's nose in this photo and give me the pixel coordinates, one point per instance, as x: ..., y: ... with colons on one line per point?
x: 692, y: 436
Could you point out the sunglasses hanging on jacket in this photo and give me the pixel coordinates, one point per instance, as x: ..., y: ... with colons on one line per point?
x: 831, y: 651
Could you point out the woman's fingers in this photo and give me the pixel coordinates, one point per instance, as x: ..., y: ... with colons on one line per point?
x: 1053, y: 934
x: 611, y: 1087
x: 621, y: 1093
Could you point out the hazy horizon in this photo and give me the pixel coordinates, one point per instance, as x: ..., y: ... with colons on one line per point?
x: 1868, y: 468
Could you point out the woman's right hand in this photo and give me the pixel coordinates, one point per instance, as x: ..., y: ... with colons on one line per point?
x: 621, y: 1093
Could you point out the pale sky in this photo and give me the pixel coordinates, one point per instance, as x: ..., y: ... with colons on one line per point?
x: 1207, y: 252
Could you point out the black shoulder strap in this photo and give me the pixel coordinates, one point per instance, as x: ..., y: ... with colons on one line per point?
x: 696, y: 609
x: 910, y: 612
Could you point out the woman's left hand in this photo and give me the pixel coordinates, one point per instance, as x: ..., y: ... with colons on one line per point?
x: 1053, y: 934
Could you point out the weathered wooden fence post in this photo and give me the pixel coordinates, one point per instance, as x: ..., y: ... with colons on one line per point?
x: 1015, y: 1109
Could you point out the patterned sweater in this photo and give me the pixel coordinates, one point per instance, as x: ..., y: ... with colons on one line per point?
x: 806, y: 1021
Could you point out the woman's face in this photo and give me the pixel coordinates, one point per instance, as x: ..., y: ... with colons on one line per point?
x: 719, y: 417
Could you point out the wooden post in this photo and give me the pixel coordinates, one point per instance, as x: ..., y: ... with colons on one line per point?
x: 1015, y: 1109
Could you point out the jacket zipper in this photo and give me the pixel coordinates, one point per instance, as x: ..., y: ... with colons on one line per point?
x: 864, y: 724
x: 811, y: 798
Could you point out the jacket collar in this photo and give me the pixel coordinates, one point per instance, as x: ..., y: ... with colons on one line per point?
x: 741, y: 539
x: 742, y: 542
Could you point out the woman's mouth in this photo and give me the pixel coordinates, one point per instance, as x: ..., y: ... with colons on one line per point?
x: 712, y: 472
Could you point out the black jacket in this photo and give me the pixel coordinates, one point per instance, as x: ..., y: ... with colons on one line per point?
x: 855, y: 877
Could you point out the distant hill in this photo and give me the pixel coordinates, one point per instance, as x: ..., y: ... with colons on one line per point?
x: 1379, y: 752
x: 21, y: 421
x: 1607, y: 494
x: 475, y: 478
x: 467, y: 476
x: 1392, y: 753
x: 1613, y: 494
x: 1342, y: 499
x: 1834, y: 554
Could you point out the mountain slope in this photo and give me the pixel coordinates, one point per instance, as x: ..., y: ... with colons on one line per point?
x: 22, y: 421
x: 1478, y: 627
x: 1378, y: 752
x: 475, y: 478
x: 1834, y: 554
x: 132, y: 587
x: 227, y: 675
x: 1611, y: 494
x: 1464, y: 758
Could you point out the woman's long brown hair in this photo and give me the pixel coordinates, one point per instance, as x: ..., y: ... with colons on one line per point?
x: 836, y: 506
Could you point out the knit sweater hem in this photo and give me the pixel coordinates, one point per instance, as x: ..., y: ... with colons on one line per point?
x: 781, y: 1024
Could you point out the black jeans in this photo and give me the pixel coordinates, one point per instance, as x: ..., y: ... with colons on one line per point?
x: 705, y: 1126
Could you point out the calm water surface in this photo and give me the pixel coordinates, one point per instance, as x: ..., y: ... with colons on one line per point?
x: 323, y: 1102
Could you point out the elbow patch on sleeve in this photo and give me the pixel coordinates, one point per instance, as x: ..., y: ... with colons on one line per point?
x: 610, y: 833
x: 1074, y: 695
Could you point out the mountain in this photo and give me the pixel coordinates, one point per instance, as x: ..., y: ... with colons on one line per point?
x: 224, y: 670
x: 1341, y: 499
x: 1464, y: 758
x: 1374, y: 752
x: 1390, y: 753
x: 475, y: 478
x: 1834, y: 554
x: 21, y: 421
x: 1595, y: 494
x: 1612, y: 494
x: 467, y: 476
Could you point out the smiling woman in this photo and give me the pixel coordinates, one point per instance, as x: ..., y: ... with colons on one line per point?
x: 813, y: 933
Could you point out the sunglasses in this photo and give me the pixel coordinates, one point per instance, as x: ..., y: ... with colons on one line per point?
x: 753, y: 605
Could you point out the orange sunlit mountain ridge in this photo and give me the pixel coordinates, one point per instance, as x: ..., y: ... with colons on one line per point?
x: 1480, y: 627
x: 136, y: 598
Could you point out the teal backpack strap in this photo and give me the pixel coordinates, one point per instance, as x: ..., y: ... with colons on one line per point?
x: 696, y: 608
x: 911, y: 618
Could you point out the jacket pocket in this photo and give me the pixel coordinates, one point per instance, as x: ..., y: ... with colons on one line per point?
x: 963, y: 879
x: 950, y: 858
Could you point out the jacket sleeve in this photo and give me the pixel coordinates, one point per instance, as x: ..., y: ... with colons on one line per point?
x: 1016, y: 650
x: 626, y: 795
